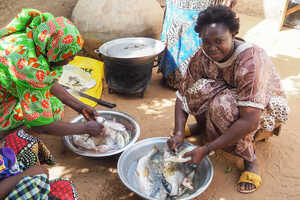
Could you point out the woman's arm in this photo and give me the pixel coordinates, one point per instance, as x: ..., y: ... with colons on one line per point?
x: 180, y: 117
x: 61, y: 128
x: 248, y: 122
x: 8, y: 184
x: 88, y: 112
x: 60, y: 92
x: 180, y: 120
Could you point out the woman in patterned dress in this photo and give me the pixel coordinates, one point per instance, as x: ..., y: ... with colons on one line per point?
x: 233, y: 90
x: 181, y: 40
x: 33, y: 48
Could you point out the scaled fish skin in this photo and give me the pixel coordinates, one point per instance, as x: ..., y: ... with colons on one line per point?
x: 143, y: 172
x: 161, y: 179
x: 178, y: 176
x: 178, y: 157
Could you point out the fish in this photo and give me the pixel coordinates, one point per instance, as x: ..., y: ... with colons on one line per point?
x: 188, y: 181
x: 116, y: 137
x: 111, y: 124
x: 174, y: 177
x: 84, y: 141
x: 178, y: 175
x: 161, y: 179
x: 144, y: 180
x: 178, y: 157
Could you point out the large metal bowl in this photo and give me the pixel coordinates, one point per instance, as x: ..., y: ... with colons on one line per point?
x: 131, y: 125
x: 128, y: 161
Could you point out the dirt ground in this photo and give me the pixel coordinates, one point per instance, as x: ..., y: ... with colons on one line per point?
x: 97, y: 179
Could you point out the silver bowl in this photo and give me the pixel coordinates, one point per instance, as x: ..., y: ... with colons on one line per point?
x: 128, y: 161
x: 131, y: 125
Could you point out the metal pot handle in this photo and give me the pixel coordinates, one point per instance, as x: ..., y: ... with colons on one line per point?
x: 96, y: 51
x: 158, y: 59
x: 99, y: 54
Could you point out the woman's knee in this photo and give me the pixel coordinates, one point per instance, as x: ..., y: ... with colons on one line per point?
x: 223, y: 108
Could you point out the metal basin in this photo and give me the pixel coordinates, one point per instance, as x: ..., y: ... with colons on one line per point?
x: 131, y: 125
x: 128, y: 161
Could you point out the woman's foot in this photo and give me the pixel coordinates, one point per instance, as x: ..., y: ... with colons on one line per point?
x: 249, y: 182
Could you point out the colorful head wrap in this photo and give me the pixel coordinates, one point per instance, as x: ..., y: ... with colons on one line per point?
x: 55, y: 38
x: 28, y: 44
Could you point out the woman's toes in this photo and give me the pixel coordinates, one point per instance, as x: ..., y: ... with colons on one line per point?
x: 242, y: 186
x: 249, y: 187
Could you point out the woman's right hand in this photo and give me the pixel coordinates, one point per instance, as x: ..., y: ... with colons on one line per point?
x: 175, y: 141
x: 35, y: 170
x: 94, y: 128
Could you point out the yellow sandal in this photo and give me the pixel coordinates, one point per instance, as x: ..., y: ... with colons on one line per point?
x: 250, y: 177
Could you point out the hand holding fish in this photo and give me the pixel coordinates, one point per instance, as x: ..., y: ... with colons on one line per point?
x: 196, y: 155
x: 94, y: 128
x: 175, y: 141
x: 88, y: 112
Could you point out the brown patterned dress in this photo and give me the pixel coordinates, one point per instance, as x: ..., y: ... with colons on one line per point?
x: 215, y: 89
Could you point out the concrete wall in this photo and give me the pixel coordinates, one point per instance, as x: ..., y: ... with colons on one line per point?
x: 259, y: 8
x: 10, y: 8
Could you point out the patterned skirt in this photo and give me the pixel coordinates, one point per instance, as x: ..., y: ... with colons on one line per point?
x: 31, y: 151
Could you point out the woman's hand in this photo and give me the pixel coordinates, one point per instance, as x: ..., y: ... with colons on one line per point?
x: 175, y: 141
x: 196, y: 155
x: 88, y: 112
x: 94, y: 128
x: 230, y: 3
x: 8, y: 184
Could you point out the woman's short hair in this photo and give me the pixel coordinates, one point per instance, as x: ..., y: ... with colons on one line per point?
x: 218, y: 14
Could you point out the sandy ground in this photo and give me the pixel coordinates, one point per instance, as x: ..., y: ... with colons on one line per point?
x: 279, y: 158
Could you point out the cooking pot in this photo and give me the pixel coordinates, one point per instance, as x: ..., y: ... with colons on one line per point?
x: 128, y: 63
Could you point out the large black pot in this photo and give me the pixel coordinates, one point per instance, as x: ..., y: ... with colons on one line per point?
x: 128, y: 63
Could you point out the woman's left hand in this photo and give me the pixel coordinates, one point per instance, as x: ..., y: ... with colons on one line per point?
x: 88, y: 112
x: 196, y: 155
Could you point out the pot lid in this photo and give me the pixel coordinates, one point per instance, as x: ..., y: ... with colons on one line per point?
x: 132, y: 47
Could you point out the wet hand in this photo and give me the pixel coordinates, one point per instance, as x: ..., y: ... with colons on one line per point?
x: 175, y: 141
x: 88, y: 112
x: 94, y: 129
x: 196, y: 155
